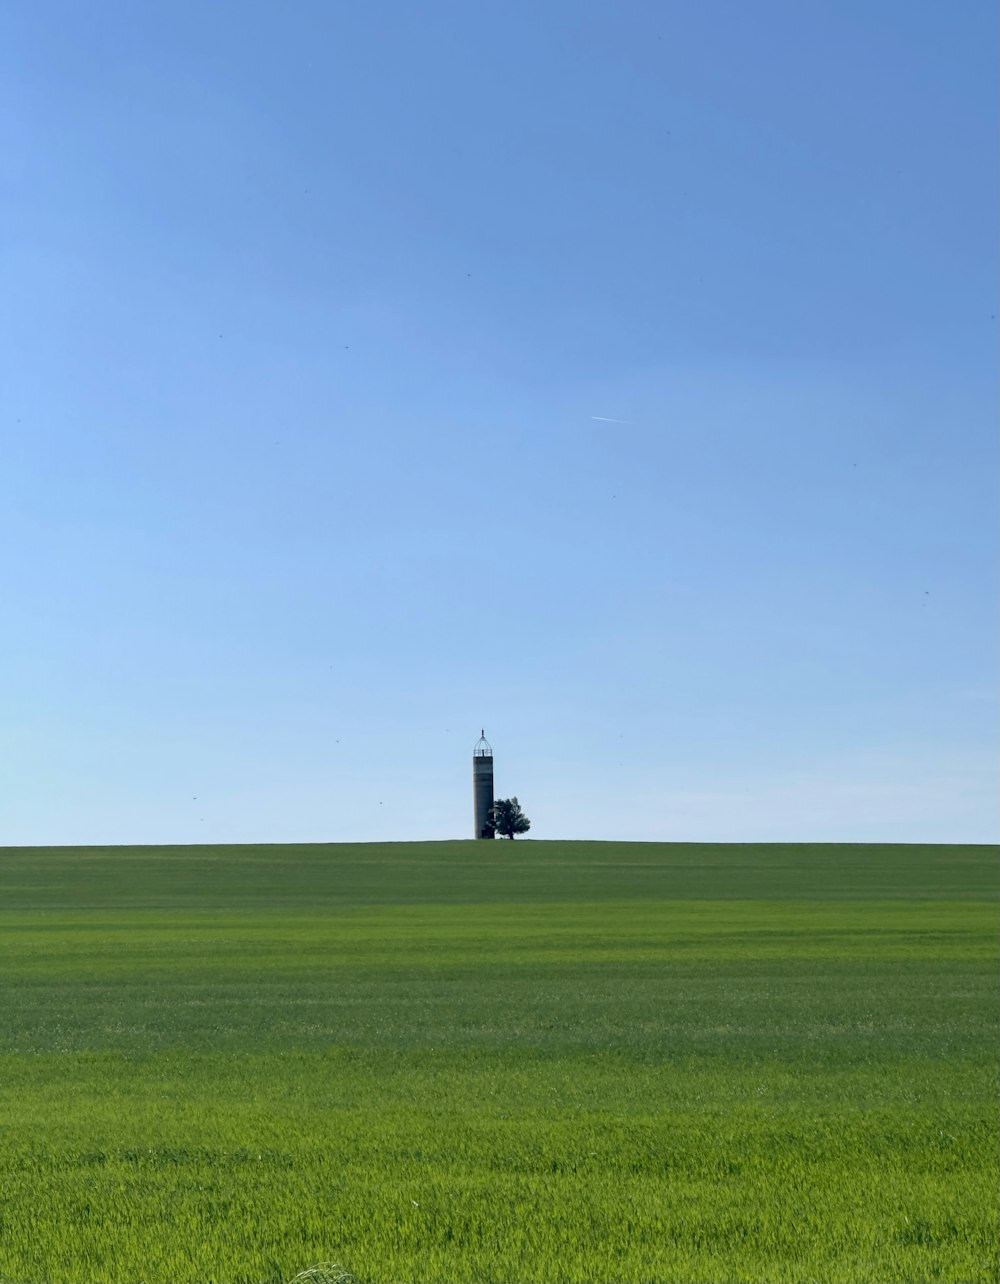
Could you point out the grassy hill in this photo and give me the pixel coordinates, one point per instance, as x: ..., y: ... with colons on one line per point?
x: 341, y: 874
x: 530, y: 1061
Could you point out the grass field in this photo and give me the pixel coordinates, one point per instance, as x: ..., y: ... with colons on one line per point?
x: 495, y: 1062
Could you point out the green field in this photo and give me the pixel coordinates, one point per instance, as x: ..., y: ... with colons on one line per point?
x: 495, y: 1062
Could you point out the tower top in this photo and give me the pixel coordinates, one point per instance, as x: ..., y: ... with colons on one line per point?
x: 483, y: 747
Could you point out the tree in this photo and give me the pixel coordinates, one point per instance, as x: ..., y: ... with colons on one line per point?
x: 508, y: 819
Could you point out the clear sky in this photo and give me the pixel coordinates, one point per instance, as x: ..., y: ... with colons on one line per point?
x: 618, y: 377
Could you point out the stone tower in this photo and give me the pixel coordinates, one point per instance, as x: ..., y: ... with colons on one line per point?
x: 482, y: 787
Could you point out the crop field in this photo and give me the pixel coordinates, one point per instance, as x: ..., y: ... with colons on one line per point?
x: 537, y: 1061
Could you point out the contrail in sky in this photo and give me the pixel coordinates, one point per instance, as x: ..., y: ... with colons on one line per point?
x: 605, y: 420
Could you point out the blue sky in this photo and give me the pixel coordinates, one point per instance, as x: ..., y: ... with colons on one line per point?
x: 618, y: 377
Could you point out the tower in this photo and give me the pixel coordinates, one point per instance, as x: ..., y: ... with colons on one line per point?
x: 482, y: 786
